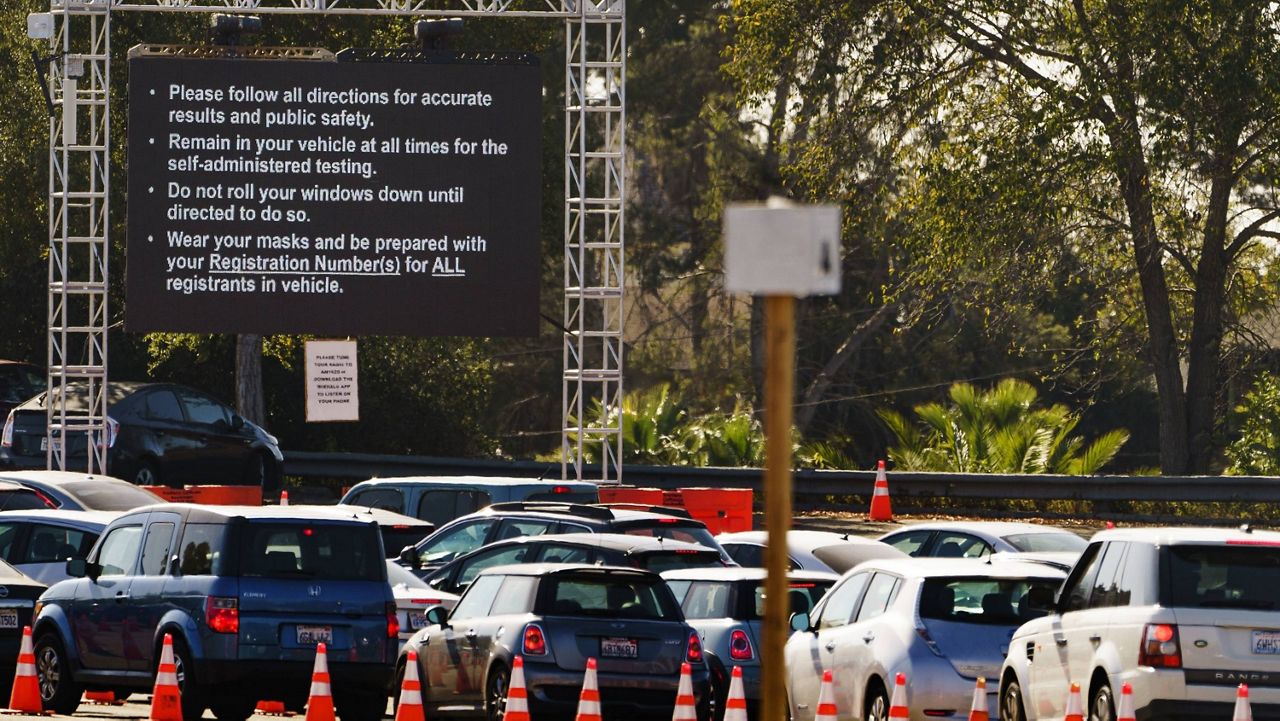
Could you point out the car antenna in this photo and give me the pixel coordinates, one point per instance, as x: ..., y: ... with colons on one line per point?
x: 1246, y: 528
x: 547, y: 470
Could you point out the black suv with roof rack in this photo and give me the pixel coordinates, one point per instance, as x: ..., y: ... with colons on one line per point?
x: 501, y: 521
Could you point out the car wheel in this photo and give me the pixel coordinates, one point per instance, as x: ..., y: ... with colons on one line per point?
x: 495, y: 693
x: 1101, y: 706
x: 360, y: 706
x: 712, y: 708
x: 877, y: 705
x: 235, y: 708
x: 148, y: 474
x: 1011, y: 708
x: 193, y: 704
x: 59, y: 692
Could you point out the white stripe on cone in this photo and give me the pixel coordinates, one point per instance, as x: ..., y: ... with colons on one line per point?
x: 517, y: 704
x: 589, y: 707
x: 685, y: 710
x: 165, y: 676
x: 736, y: 692
x: 320, y: 688
x: 1125, y: 711
x: 412, y: 697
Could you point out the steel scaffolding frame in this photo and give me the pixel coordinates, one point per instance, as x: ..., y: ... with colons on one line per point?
x: 594, y: 182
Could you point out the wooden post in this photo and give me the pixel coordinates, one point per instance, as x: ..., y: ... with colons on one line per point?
x: 780, y: 342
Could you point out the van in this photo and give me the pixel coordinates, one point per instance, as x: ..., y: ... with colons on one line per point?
x: 440, y: 500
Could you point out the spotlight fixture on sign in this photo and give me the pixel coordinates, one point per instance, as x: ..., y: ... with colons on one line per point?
x: 225, y: 29
x: 435, y: 34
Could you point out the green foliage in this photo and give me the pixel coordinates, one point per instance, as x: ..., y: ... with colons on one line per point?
x: 1256, y: 452
x: 997, y: 431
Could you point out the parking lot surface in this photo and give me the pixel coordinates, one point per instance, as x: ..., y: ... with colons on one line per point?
x: 139, y: 707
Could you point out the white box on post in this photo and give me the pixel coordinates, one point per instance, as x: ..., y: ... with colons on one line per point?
x: 780, y: 248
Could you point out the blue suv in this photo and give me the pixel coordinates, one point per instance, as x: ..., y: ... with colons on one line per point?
x: 246, y: 592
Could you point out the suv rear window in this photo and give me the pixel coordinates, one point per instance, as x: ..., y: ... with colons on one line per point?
x: 659, y: 561
x: 1221, y: 576
x: 981, y: 600
x: 301, y: 550
x: 610, y: 597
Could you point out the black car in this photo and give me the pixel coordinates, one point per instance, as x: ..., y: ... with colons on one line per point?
x: 159, y: 433
x: 18, y: 382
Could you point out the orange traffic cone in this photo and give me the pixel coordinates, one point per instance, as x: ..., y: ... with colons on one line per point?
x: 166, y: 698
x: 1126, y: 710
x: 881, y: 510
x: 410, y: 708
x: 1243, y: 711
x: 589, y: 702
x: 320, y: 704
x: 284, y: 498
x: 898, y: 702
x: 735, y: 706
x: 686, y: 709
x: 978, y: 710
x: 1075, y: 710
x: 25, y: 695
x: 826, y: 699
x: 517, y: 697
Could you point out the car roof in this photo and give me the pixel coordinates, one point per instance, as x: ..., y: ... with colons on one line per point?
x: 613, y: 541
x: 737, y: 573
x: 471, y: 481
x: 1174, y: 536
x: 579, y: 511
x: 198, y: 512
x: 53, y: 515
x: 994, y: 528
x: 56, y: 477
x: 378, y: 515
x: 798, y: 540
x: 548, y: 569
x: 921, y: 567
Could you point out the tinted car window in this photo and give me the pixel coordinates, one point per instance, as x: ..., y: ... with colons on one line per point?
x: 155, y: 552
x: 659, y: 561
x: 453, y: 542
x: 1046, y: 542
x: 960, y: 545
x: 389, y: 499
x: 561, y: 553
x: 201, y: 548
x: 517, y: 528
x: 880, y: 594
x: 980, y: 600
x: 516, y: 596
x: 162, y: 405
x: 613, y: 597
x: 838, y: 608
x: 119, y: 550
x: 8, y: 539
x: 745, y: 554
x: 707, y: 599
x: 488, y: 559
x: 110, y: 495
x: 22, y: 499
x: 911, y: 543
x: 1104, y: 584
x: 1220, y: 576
x: 18, y: 383
x: 299, y: 550
x: 1076, y: 589
x: 478, y: 598
x: 802, y: 595
x: 50, y: 544
x: 202, y: 409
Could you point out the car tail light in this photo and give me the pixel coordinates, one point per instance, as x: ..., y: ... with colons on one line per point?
x: 393, y: 622
x: 694, y: 654
x: 668, y: 520
x: 222, y: 614
x: 740, y: 646
x: 562, y: 489
x: 6, y: 439
x: 1160, y: 647
x: 535, y: 642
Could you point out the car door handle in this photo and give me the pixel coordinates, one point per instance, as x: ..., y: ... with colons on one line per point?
x: 831, y: 645
x: 1060, y: 640
x: 122, y: 596
x: 1095, y: 639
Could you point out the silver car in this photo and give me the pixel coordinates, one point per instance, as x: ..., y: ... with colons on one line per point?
x: 808, y: 550
x: 726, y: 607
x: 976, y: 539
x: 942, y: 622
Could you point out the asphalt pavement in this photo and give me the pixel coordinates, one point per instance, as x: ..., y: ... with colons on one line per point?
x: 139, y: 707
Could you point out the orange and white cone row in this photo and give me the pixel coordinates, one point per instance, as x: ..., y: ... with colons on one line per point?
x: 735, y: 706
x: 898, y: 702
x: 1243, y: 712
x: 686, y: 708
x: 166, y: 698
x: 25, y: 695
x: 826, y: 699
x: 517, y: 695
x: 320, y: 703
x: 589, y: 701
x: 1125, y: 711
x: 410, y: 706
x: 1075, y: 709
x: 978, y: 709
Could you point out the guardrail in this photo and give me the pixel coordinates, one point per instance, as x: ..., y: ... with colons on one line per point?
x: 1103, y: 494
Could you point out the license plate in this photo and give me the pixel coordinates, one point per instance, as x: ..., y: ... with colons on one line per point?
x: 1267, y: 642
x: 417, y: 620
x: 44, y: 444
x: 8, y: 618
x: 619, y: 647
x: 312, y: 635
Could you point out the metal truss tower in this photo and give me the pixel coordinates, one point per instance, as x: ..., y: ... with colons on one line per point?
x: 594, y: 182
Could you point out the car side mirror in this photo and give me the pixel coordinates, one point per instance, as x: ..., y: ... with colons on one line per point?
x: 800, y: 622
x: 81, y: 568
x: 438, y: 616
x: 237, y: 422
x: 409, y: 555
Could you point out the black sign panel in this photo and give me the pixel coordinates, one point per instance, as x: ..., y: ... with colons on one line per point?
x: 292, y: 196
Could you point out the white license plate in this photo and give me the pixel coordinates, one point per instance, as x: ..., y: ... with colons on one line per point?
x: 44, y: 444
x: 1267, y: 642
x: 618, y: 647
x: 8, y: 618
x: 312, y: 635
x: 417, y: 620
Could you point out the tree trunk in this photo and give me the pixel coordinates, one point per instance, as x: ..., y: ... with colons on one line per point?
x: 249, y: 401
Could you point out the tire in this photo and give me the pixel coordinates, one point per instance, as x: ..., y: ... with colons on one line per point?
x: 193, y: 696
x: 1011, y: 708
x: 876, y: 706
x: 495, y: 693
x: 235, y: 708
x: 397, y: 684
x: 59, y: 692
x: 712, y: 708
x: 1102, y: 705
x: 147, y: 474
x: 360, y: 705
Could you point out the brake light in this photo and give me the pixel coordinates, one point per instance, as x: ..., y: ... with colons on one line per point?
x: 1230, y: 541
x: 923, y: 633
x: 740, y: 646
x: 222, y: 614
x: 535, y: 642
x: 6, y: 438
x: 393, y: 623
x: 1160, y: 647
x: 562, y: 489
x: 694, y: 654
x: 803, y: 585
x: 668, y: 520
x: 46, y: 499
x: 427, y: 601
x: 687, y: 551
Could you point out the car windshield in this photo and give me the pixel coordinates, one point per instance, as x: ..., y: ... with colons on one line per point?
x: 109, y: 495
x: 1221, y: 576
x: 609, y: 597
x: 659, y: 561
x: 307, y: 550
x: 999, y: 601
x: 1046, y: 542
x: 23, y: 499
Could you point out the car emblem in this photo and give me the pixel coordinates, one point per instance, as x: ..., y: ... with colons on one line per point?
x: 313, y: 591
x: 4, y: 591
x: 617, y: 625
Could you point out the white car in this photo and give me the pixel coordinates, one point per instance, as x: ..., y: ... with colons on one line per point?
x: 808, y: 550
x: 976, y: 539
x: 1184, y: 615
x: 942, y: 622
x: 39, y: 542
x: 413, y: 598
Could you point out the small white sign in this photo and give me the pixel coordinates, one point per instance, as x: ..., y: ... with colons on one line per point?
x: 782, y: 249
x: 332, y: 388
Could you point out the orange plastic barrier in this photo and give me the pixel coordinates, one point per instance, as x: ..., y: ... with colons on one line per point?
x: 631, y: 494
x: 210, y: 495
x: 724, y: 510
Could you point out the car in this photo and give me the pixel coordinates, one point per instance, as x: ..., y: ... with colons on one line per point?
x: 72, y: 491
x: 246, y: 592
x: 501, y: 521
x: 17, y: 497
x: 976, y: 539
x: 943, y: 622
x: 39, y: 542
x: 726, y: 607
x: 442, y: 499
x: 807, y: 550
x: 398, y: 530
x: 611, y: 549
x: 18, y: 594
x: 18, y: 382
x: 556, y: 616
x: 413, y: 598
x: 159, y: 434
x: 1183, y: 615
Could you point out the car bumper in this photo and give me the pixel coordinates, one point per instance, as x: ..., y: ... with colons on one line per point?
x: 554, y: 692
x: 279, y: 680
x: 1207, y: 710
